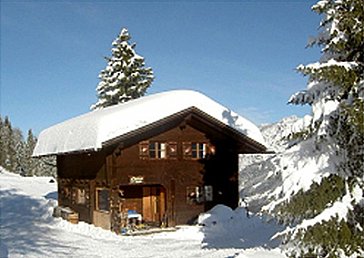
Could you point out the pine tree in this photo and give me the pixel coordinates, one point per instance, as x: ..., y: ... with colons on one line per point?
x: 335, y: 92
x: 8, y: 142
x: 18, y: 162
x: 2, y: 142
x: 125, y: 76
x: 16, y: 154
x: 31, y: 164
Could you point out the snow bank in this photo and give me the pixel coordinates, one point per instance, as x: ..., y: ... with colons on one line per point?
x: 227, y: 228
x: 91, y: 130
x: 29, y: 230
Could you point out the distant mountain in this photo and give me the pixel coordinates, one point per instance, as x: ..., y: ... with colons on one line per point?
x: 276, y: 134
x: 263, y: 177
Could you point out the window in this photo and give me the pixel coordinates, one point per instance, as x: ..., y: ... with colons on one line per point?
x: 157, y: 150
x: 198, y: 150
x: 102, y: 199
x: 208, y: 193
x: 195, y: 150
x: 198, y: 194
x: 81, y: 196
x: 194, y: 195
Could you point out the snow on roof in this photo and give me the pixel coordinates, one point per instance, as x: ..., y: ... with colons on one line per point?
x: 91, y: 130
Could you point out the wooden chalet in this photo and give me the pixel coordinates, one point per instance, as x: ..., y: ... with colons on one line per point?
x: 162, y: 171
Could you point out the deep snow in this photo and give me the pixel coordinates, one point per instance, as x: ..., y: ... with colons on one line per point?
x: 29, y: 230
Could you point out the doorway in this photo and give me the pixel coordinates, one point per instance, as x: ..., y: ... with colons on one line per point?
x: 147, y: 200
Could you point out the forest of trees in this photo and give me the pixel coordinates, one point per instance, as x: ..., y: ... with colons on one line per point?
x: 16, y: 152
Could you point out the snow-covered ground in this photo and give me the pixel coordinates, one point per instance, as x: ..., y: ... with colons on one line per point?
x: 27, y: 229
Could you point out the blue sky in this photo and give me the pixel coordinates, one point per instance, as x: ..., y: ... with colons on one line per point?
x: 243, y: 54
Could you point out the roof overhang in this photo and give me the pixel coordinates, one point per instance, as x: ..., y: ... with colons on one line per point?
x: 192, y: 116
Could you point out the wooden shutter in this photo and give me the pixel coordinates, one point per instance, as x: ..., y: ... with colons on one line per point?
x: 144, y: 150
x: 172, y: 150
x: 211, y: 149
x: 187, y: 150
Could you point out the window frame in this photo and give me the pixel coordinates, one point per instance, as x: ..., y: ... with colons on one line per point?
x: 196, y: 150
x: 81, y: 196
x: 97, y: 199
x: 196, y: 195
x: 158, y: 150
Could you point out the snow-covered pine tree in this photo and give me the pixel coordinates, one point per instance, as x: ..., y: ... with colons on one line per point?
x: 335, y: 92
x: 2, y: 142
x: 31, y: 164
x: 19, y: 151
x: 8, y: 157
x: 125, y: 76
x: 16, y: 154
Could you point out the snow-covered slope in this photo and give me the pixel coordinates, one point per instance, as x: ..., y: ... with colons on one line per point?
x: 91, y: 130
x: 27, y: 229
x: 275, y: 134
x: 268, y: 179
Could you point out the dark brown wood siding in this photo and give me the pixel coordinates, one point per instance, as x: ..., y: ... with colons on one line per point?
x: 175, y: 175
x: 156, y: 187
x: 79, y: 171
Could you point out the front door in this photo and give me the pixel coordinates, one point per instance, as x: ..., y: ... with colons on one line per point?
x: 148, y: 200
x: 153, y: 203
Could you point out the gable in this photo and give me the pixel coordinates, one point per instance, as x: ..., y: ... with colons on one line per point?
x: 200, y: 122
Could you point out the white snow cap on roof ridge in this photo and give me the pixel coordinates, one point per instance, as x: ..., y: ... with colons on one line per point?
x: 91, y: 130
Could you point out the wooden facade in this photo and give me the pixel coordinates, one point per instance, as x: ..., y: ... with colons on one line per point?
x: 169, y: 172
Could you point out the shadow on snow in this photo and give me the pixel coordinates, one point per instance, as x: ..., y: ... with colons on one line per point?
x: 25, y: 226
x: 226, y: 228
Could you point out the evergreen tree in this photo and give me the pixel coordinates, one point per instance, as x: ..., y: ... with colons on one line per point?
x: 16, y: 154
x: 18, y: 162
x: 31, y: 164
x: 336, y: 93
x: 125, y: 76
x: 8, y: 142
x: 2, y: 141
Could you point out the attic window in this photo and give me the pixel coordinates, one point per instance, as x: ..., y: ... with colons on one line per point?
x: 157, y: 150
x: 196, y: 150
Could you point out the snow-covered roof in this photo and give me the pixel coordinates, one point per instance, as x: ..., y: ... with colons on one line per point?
x: 91, y: 130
